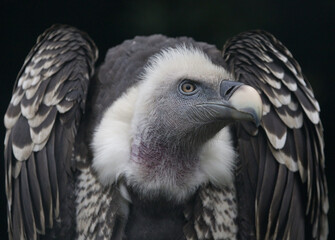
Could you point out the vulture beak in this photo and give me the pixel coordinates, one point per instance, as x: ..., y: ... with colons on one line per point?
x: 238, y: 102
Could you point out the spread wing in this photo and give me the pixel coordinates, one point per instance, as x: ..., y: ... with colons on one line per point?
x: 281, y: 186
x: 41, y: 121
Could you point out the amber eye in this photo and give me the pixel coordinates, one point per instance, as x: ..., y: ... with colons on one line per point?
x: 188, y: 87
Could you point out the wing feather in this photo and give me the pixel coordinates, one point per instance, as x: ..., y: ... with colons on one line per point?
x: 27, y: 208
x: 16, y: 225
x: 289, y: 176
x: 275, y: 129
x: 50, y: 148
x: 21, y: 140
x: 275, y: 202
x: 266, y: 188
x: 284, y: 206
x: 41, y: 120
x: 36, y: 196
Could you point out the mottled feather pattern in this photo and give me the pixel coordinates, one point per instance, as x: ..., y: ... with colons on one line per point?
x: 292, y: 126
x: 51, y: 86
x: 212, y: 214
x: 92, y: 205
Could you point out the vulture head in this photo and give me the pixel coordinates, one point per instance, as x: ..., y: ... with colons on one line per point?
x: 167, y: 134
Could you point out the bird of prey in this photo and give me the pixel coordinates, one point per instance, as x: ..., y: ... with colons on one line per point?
x: 168, y: 139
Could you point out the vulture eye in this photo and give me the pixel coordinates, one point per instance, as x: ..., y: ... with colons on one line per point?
x: 187, y: 87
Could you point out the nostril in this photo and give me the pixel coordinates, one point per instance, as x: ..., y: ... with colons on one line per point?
x: 227, y: 88
x: 229, y: 91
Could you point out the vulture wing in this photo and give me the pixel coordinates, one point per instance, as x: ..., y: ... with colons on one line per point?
x: 41, y: 121
x: 281, y: 185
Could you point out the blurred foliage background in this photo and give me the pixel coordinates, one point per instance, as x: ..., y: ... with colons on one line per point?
x: 307, y: 28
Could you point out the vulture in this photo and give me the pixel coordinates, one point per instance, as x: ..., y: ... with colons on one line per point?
x: 169, y: 138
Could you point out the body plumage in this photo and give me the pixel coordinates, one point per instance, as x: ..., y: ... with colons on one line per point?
x: 168, y: 139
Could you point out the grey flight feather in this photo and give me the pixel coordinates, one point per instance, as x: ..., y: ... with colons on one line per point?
x: 281, y: 167
x: 41, y: 121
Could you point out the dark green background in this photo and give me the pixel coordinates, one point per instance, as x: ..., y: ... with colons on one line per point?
x: 307, y: 28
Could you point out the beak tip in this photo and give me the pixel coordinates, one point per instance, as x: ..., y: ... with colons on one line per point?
x: 247, y: 99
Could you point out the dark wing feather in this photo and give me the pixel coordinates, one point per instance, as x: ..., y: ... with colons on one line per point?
x: 281, y: 164
x: 41, y: 121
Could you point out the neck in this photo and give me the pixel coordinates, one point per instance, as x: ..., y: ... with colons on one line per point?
x: 162, y: 166
x: 153, y: 148
x: 163, y: 156
x: 153, y: 144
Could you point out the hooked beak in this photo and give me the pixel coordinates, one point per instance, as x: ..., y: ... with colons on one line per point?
x: 238, y: 102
